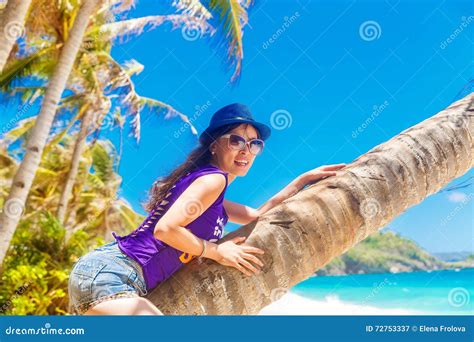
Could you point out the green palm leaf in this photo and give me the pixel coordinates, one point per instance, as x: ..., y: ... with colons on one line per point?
x: 229, y: 18
x: 38, y: 64
x: 103, y: 155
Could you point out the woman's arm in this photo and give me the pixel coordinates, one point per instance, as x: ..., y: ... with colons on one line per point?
x: 239, y: 213
x: 243, y: 214
x: 298, y: 183
x: 190, y: 205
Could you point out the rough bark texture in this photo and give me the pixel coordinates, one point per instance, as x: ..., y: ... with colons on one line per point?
x: 15, y: 203
x: 324, y: 220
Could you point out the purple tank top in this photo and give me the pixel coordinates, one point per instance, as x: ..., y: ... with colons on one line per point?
x: 159, y: 260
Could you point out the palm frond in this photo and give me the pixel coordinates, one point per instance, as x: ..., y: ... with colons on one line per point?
x: 28, y: 94
x: 58, y: 136
x: 132, y: 67
x: 94, y: 179
x: 229, y: 17
x: 132, y: 27
x: 132, y: 103
x: 193, y: 8
x: 33, y: 65
x: 47, y: 172
x: 154, y: 105
x: 20, y: 132
x: 103, y: 156
x: 118, y: 6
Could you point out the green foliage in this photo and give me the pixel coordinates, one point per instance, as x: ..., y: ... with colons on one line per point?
x: 38, y: 265
x: 103, y: 163
x: 40, y: 257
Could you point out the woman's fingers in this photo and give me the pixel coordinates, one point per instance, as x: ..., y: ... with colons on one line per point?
x: 238, y: 239
x: 242, y: 269
x: 327, y: 174
x: 253, y: 249
x: 253, y: 258
x: 248, y: 265
x: 333, y: 167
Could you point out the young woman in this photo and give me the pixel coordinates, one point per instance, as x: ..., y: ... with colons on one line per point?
x: 187, y: 215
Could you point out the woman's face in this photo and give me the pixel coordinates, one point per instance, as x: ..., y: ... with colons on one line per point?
x: 225, y: 157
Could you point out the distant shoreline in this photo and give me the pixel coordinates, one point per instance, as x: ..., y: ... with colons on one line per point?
x: 388, y: 252
x: 402, y: 272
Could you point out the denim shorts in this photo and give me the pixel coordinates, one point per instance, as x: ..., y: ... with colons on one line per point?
x: 103, y: 274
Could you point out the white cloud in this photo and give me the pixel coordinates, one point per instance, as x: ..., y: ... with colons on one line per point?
x: 457, y: 197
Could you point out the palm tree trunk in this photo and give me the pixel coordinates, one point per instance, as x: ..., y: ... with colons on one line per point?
x: 72, y: 173
x: 11, y: 27
x: 324, y: 220
x: 25, y: 174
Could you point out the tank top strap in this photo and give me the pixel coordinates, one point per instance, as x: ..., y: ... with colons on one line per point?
x: 201, y: 171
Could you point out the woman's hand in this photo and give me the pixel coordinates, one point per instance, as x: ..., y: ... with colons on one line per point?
x: 322, y: 172
x: 230, y: 253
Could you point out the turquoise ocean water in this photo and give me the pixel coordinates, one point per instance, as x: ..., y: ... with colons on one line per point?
x: 447, y: 292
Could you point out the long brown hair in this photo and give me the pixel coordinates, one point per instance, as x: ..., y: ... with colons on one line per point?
x: 201, y: 155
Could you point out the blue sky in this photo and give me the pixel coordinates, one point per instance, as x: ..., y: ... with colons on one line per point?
x: 326, y: 75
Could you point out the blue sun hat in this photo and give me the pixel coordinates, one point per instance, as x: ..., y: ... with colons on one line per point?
x: 231, y: 114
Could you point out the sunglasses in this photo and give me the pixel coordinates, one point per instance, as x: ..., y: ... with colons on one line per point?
x: 237, y: 142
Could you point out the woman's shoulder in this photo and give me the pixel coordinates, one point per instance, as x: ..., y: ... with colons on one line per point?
x: 203, y: 170
x: 200, y: 171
